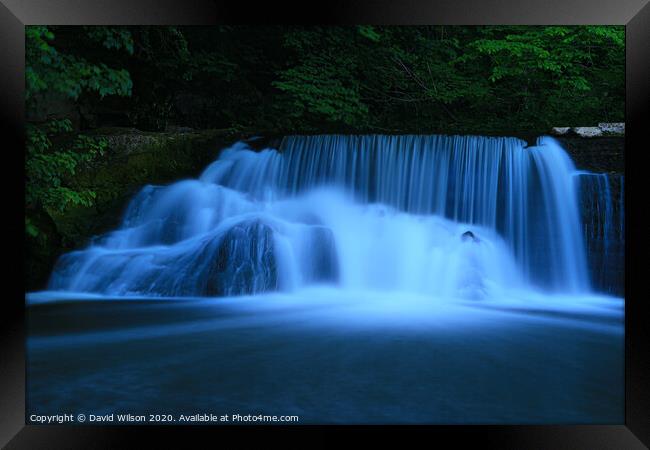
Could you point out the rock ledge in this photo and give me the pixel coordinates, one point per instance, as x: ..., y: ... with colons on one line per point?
x: 603, y: 129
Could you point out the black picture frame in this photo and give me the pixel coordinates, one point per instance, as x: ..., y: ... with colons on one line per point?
x: 635, y: 14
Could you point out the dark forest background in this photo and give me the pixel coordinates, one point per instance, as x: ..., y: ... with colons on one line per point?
x: 503, y: 80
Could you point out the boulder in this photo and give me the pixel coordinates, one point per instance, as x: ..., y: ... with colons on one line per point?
x: 244, y: 262
x: 469, y: 236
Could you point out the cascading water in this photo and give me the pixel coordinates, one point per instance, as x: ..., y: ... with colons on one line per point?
x: 602, y: 207
x: 384, y: 213
x: 391, y: 279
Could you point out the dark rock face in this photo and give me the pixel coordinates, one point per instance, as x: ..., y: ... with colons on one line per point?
x: 245, y: 262
x: 601, y: 154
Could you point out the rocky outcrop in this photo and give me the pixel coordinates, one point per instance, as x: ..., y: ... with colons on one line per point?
x: 603, y: 129
x: 613, y: 128
x: 599, y: 155
x: 587, y: 132
x: 133, y: 158
x: 245, y: 262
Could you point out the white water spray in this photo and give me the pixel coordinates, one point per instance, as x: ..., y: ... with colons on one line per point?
x: 446, y: 217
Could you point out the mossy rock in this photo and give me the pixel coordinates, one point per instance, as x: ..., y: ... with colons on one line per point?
x: 132, y: 160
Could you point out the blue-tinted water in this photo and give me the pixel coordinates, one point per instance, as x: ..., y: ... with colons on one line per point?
x: 329, y: 358
x: 348, y: 279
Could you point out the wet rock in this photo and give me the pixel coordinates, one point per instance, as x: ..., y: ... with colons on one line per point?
x: 244, y: 262
x: 469, y: 236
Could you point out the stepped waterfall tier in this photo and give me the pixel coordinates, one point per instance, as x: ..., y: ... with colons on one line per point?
x: 464, y: 217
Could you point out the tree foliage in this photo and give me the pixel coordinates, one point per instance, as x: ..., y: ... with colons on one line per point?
x: 53, y: 151
x: 424, y: 79
x: 452, y: 79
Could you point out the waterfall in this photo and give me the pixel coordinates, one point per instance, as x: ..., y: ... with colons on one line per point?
x: 447, y: 216
x: 602, y: 209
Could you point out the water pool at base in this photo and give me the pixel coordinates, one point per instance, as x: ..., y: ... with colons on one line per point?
x: 330, y: 357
